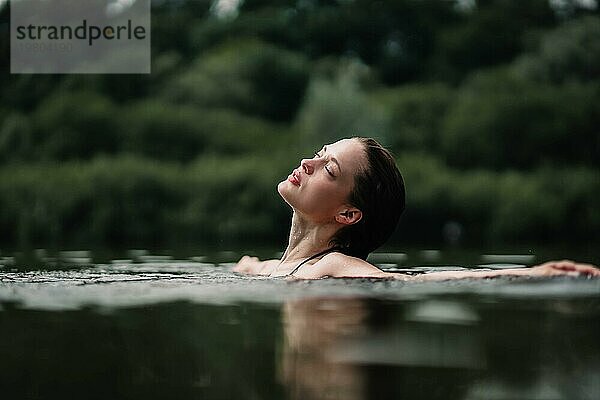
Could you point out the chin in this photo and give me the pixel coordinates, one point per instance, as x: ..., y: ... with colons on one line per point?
x: 283, y: 188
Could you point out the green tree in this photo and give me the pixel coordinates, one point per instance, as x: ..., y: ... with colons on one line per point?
x: 75, y: 125
x: 570, y: 52
x: 250, y: 76
x: 416, y: 115
x: 499, y: 121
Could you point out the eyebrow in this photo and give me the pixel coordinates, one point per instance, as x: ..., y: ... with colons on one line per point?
x: 333, y: 159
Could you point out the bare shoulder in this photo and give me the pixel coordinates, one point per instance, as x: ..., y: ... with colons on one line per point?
x: 339, y: 265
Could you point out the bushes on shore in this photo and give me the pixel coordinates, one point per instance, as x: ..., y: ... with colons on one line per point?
x: 501, y: 140
x: 133, y: 201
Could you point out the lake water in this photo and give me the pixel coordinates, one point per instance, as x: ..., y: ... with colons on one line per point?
x: 162, y: 328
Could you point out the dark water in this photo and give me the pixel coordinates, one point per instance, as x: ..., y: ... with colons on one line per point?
x: 194, y: 330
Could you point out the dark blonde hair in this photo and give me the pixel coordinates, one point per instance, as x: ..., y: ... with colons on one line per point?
x: 379, y: 193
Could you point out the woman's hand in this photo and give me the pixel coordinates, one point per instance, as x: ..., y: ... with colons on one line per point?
x: 252, y: 265
x: 248, y: 265
x: 565, y: 267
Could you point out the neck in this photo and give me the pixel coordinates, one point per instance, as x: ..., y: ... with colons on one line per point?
x: 307, y: 238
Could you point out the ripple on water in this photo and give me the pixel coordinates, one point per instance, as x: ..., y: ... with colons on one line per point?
x: 127, y: 284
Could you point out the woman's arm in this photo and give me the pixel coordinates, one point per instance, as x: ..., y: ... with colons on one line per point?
x: 342, y: 266
x: 551, y: 268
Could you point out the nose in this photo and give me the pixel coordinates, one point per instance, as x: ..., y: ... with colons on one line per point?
x: 307, y: 165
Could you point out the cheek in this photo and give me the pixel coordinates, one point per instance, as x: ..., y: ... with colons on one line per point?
x: 324, y: 196
x: 319, y: 198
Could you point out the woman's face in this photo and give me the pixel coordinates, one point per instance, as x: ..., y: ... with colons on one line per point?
x: 320, y: 186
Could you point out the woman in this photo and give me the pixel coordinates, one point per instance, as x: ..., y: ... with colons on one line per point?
x: 346, y: 202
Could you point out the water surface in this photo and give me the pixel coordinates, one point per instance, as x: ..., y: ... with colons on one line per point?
x: 173, y: 329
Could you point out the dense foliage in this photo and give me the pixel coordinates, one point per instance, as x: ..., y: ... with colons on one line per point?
x: 491, y: 108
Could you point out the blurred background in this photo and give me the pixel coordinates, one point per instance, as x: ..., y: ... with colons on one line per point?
x: 491, y: 107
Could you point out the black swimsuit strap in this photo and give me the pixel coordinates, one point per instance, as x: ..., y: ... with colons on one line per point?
x: 312, y: 258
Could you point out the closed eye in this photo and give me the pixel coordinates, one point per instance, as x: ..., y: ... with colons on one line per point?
x: 329, y: 171
x: 317, y: 155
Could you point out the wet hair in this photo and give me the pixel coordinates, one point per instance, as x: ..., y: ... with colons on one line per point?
x: 379, y: 193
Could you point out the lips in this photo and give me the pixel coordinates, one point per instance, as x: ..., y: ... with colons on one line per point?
x: 294, y: 178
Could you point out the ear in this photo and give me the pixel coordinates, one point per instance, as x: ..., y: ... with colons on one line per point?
x: 348, y: 215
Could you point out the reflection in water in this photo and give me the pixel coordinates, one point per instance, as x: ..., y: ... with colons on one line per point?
x: 181, y: 331
x: 313, y: 328
x: 350, y: 348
